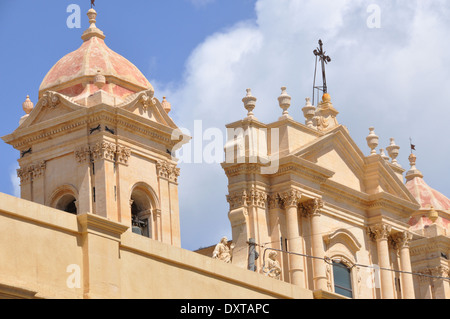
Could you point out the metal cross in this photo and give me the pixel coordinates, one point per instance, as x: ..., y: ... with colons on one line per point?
x: 319, y: 52
x: 92, y: 3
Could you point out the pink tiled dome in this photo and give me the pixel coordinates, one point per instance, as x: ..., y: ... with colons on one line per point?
x: 74, y: 74
x: 426, y: 196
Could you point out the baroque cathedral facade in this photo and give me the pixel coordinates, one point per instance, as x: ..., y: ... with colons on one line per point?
x: 99, y: 196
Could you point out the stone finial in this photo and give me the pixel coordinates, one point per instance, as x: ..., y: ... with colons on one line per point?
x: 433, y: 214
x: 413, y: 171
x: 27, y: 105
x: 284, y: 100
x: 412, y: 161
x: 383, y: 155
x: 166, y: 105
x: 249, y: 104
x: 326, y: 114
x: 309, y: 111
x: 372, y: 141
x: 99, y: 80
x: 92, y: 31
x: 393, y: 151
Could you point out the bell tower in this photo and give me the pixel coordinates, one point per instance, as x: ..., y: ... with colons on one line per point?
x: 98, y: 141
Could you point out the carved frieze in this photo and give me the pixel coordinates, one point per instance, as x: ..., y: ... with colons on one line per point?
x: 167, y: 171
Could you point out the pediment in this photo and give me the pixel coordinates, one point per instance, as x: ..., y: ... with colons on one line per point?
x: 337, y: 152
x: 149, y: 107
x: 51, y: 106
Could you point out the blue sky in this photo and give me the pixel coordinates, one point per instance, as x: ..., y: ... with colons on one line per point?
x: 203, y: 54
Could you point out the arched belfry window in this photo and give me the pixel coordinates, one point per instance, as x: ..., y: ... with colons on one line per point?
x: 342, y: 279
x: 141, y: 211
x: 64, y: 198
x: 67, y: 203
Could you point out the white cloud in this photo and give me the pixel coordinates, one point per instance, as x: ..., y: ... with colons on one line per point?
x: 394, y: 78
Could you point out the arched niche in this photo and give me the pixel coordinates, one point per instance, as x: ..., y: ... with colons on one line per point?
x: 64, y: 198
x: 144, y: 206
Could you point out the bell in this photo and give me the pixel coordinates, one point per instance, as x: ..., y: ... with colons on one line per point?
x: 136, y: 230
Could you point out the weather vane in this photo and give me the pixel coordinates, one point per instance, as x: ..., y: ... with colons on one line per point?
x: 92, y: 3
x: 413, y: 147
x: 324, y: 59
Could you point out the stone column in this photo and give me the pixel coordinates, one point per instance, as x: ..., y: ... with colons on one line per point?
x: 311, y: 209
x: 296, y: 269
x: 380, y: 234
x: 402, y: 241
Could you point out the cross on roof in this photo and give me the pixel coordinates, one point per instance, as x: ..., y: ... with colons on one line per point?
x: 324, y: 59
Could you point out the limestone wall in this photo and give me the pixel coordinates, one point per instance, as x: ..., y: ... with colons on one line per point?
x: 47, y: 253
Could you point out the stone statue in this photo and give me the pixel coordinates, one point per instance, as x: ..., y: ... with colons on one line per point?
x: 222, y: 251
x: 273, y: 266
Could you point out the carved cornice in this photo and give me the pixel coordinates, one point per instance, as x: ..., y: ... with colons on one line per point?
x: 167, y: 171
x: 379, y: 232
x: 242, y: 168
x: 311, y: 207
x: 36, y: 133
x: 31, y: 172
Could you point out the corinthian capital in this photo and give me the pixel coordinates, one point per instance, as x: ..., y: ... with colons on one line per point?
x: 401, y: 239
x: 311, y: 207
x: 378, y: 232
x: 290, y: 198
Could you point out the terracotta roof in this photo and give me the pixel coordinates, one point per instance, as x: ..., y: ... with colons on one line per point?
x: 73, y: 75
x: 427, y: 196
